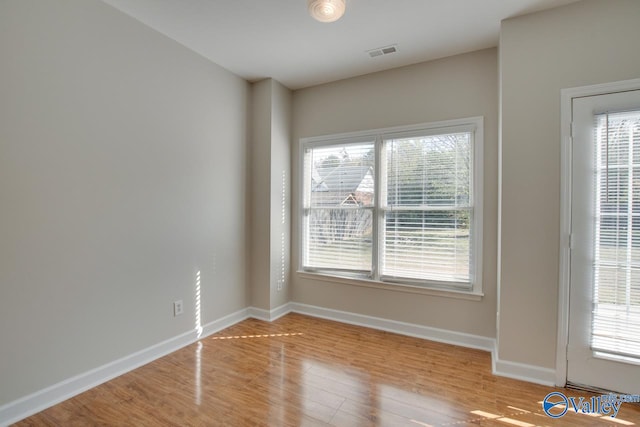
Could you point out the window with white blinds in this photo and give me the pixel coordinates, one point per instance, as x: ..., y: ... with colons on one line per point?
x: 426, y: 200
x: 398, y: 205
x: 616, y: 310
x: 338, y: 207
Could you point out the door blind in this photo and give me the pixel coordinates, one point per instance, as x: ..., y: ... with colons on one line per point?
x: 616, y: 308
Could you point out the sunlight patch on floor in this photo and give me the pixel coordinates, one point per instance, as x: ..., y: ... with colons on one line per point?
x: 235, y: 337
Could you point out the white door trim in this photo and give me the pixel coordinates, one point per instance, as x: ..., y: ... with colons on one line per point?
x: 566, y: 113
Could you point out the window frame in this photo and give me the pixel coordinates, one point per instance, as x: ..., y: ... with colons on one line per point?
x: 471, y: 290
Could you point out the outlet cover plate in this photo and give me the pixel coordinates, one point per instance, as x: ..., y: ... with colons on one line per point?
x: 178, y: 308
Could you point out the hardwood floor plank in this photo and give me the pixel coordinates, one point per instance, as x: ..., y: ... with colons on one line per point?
x: 304, y: 371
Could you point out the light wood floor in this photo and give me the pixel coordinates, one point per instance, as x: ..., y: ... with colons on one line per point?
x: 303, y: 371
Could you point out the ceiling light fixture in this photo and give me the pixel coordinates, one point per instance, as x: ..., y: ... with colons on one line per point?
x: 326, y: 10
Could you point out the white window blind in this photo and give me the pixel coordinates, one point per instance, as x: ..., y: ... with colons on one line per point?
x: 397, y: 205
x: 427, y: 209
x: 616, y: 310
x: 338, y: 207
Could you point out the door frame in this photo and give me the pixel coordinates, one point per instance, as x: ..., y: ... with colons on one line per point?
x: 566, y: 140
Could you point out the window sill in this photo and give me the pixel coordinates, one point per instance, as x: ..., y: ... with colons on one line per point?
x: 395, y: 287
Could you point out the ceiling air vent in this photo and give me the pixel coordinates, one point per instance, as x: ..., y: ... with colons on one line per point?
x: 382, y: 51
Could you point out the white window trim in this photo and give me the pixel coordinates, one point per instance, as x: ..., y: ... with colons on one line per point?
x: 474, y: 124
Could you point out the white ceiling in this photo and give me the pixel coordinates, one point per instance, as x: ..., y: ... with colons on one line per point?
x: 277, y: 38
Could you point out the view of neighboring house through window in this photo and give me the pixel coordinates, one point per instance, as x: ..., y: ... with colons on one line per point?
x: 340, y: 201
x: 396, y: 205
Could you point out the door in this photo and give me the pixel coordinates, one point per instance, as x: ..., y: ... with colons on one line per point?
x: 604, y: 296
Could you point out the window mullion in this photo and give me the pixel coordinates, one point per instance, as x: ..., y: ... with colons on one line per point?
x: 378, y: 219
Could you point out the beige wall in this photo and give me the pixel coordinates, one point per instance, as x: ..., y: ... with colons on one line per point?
x: 280, y: 194
x: 122, y: 173
x: 588, y: 42
x: 259, y: 241
x: 269, y: 159
x: 455, y: 87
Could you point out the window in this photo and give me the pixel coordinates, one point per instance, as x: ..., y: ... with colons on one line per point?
x: 398, y: 205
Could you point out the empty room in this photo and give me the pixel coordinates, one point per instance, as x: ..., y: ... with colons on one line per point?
x: 319, y: 212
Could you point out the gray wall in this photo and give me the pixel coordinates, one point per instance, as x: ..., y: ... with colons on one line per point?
x: 269, y: 165
x: 280, y: 193
x: 456, y: 87
x: 122, y: 173
x: 260, y: 195
x: 584, y: 43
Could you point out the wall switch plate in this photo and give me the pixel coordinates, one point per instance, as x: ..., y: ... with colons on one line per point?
x: 178, y: 308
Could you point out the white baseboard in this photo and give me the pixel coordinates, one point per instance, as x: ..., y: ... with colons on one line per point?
x: 409, y: 329
x: 523, y: 372
x: 40, y: 400
x: 259, y: 313
x: 278, y: 312
x: 270, y: 315
x: 225, y: 322
x: 519, y: 371
x: 52, y: 395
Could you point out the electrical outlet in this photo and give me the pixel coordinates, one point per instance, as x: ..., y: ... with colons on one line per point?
x: 178, y: 308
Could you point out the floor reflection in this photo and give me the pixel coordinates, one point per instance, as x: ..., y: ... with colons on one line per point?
x: 198, y: 374
x: 326, y: 387
x: 300, y: 371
